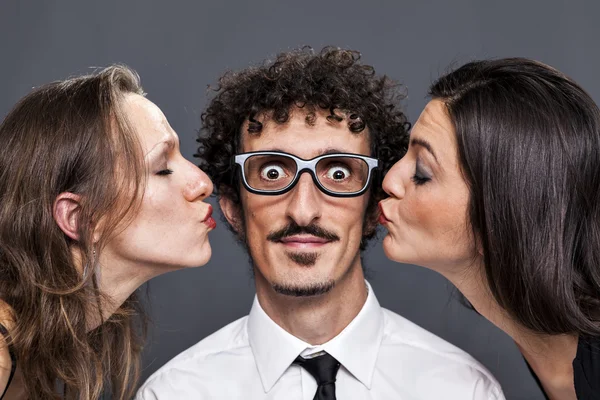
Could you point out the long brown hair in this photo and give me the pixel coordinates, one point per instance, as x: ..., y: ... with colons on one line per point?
x: 69, y: 136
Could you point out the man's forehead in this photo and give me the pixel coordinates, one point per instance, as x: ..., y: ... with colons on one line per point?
x: 306, y: 138
x: 315, y: 152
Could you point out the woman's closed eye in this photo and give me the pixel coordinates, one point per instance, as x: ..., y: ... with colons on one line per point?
x: 420, y: 177
x: 165, y: 171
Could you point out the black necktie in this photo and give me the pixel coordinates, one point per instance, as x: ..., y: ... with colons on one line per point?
x: 324, y: 369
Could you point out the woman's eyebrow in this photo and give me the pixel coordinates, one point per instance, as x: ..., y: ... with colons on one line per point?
x: 425, y: 144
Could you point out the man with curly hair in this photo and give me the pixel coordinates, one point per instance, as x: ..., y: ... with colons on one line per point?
x: 296, y: 149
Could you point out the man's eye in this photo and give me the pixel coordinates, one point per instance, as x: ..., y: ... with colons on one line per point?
x: 338, y: 173
x: 272, y: 172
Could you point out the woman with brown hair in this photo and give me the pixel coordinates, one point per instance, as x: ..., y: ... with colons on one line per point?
x: 96, y: 199
x: 499, y: 193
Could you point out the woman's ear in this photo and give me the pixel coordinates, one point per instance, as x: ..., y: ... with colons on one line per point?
x: 479, y: 246
x: 66, y: 211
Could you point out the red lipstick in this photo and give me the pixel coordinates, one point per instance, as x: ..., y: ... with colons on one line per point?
x: 208, y: 219
x: 382, y: 218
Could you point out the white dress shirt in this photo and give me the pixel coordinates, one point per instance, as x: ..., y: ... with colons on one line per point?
x: 383, y: 356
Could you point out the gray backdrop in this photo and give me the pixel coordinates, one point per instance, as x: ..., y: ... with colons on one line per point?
x: 180, y: 47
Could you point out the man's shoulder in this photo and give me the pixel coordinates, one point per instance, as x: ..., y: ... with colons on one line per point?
x: 398, y: 329
x: 206, y: 356
x: 433, y: 353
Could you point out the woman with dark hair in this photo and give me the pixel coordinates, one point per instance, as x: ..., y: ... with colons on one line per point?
x: 499, y: 193
x: 95, y: 200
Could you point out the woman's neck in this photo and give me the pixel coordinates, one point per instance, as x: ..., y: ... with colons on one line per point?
x: 550, y: 356
x: 116, y: 280
x: 116, y: 287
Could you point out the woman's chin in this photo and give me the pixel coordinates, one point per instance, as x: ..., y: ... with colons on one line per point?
x: 203, y: 256
x: 196, y: 258
x: 394, y: 251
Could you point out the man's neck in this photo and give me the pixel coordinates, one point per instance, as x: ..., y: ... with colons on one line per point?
x: 550, y: 356
x: 316, y: 319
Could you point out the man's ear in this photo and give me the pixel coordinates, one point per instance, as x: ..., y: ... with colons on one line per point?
x: 232, y: 213
x: 371, y: 222
x: 66, y: 212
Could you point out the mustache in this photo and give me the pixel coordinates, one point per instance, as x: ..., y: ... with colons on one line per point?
x: 295, y: 229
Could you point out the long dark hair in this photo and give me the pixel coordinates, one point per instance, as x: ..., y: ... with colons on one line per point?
x: 69, y: 136
x: 529, y: 147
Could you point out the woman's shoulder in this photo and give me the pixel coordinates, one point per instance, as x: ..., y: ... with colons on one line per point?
x: 586, y: 368
x: 7, y: 321
x: 7, y: 362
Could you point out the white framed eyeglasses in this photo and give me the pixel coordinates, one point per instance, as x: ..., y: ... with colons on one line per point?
x: 275, y: 172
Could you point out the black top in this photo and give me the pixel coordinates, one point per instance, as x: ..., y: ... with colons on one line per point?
x: 586, y: 369
x: 13, y: 359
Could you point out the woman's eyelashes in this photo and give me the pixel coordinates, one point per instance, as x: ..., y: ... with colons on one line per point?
x: 165, y: 171
x: 161, y: 166
x: 420, y: 177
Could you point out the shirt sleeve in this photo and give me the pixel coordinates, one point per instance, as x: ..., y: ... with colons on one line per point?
x: 155, y: 388
x: 145, y: 394
x: 497, y: 394
x: 485, y: 389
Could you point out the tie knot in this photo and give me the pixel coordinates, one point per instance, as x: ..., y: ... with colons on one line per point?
x: 323, y: 368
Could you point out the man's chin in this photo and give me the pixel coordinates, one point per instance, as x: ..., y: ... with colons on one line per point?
x: 306, y: 290
x: 304, y: 259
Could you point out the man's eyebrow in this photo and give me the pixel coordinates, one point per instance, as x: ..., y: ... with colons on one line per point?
x: 425, y: 144
x: 331, y: 150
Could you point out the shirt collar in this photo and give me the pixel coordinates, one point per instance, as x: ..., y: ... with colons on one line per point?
x: 356, y: 347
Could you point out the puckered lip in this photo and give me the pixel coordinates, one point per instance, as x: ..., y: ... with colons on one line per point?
x: 208, y: 213
x: 382, y: 217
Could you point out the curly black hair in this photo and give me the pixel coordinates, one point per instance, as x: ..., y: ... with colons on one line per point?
x: 333, y: 80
